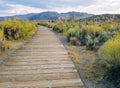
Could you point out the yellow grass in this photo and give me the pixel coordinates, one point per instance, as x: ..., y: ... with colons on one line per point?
x: 72, y: 51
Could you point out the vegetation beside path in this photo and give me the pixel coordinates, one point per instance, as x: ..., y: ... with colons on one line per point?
x: 99, y: 37
x: 13, y: 32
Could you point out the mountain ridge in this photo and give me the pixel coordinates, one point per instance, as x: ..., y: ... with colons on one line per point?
x: 49, y: 15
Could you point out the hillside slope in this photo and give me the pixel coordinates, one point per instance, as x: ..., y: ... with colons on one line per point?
x: 50, y: 16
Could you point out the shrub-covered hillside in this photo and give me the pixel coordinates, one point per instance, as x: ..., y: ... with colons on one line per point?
x: 103, y: 18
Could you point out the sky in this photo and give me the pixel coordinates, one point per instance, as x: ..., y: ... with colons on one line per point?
x: 15, y: 7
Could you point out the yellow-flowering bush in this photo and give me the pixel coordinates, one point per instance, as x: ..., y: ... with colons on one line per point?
x: 3, y: 46
x: 110, y: 51
x: 15, y: 29
x: 109, y: 62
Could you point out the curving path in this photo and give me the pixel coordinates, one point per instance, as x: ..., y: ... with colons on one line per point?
x: 41, y: 63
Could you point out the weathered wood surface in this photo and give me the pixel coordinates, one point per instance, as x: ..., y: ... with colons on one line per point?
x: 41, y: 63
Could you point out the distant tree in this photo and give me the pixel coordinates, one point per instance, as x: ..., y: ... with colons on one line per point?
x: 73, y: 19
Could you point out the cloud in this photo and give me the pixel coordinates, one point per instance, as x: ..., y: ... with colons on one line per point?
x: 46, y: 4
x: 13, y: 7
x: 106, y: 6
x: 24, y: 9
x: 97, y: 7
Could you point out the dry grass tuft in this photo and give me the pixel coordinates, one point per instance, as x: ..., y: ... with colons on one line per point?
x: 72, y: 51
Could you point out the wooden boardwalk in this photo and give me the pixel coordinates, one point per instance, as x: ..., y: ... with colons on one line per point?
x: 41, y: 63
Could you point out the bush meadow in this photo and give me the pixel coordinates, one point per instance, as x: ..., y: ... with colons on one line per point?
x: 13, y: 30
x: 100, y: 36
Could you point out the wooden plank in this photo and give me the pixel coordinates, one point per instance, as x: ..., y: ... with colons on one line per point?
x: 37, y: 77
x: 37, y: 71
x: 37, y: 62
x: 38, y: 66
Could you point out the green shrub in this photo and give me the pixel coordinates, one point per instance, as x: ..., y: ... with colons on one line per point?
x: 110, y: 55
x: 14, y: 29
x: 110, y: 50
x: 17, y: 29
x: 73, y: 40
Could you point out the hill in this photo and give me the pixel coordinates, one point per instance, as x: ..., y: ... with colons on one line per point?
x: 50, y: 16
x: 103, y: 18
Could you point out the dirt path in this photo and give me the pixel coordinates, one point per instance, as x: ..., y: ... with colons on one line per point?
x: 42, y: 63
